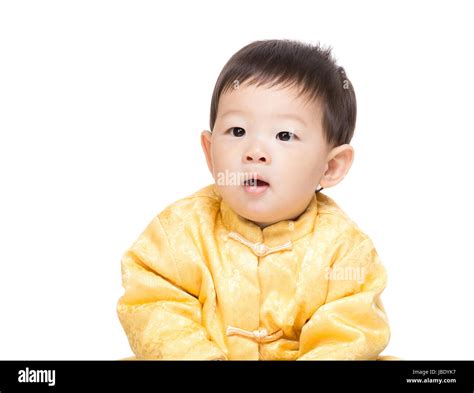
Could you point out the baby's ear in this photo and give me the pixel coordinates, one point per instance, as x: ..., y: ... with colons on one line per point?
x: 339, y: 162
x: 206, y: 147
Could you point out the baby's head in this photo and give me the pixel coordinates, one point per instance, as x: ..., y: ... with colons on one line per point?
x: 284, y: 113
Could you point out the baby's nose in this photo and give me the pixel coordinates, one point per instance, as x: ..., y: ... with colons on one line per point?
x: 257, y: 155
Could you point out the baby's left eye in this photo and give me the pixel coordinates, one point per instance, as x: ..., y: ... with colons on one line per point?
x: 285, y: 135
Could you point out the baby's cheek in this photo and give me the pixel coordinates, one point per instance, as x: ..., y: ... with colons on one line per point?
x: 224, y: 155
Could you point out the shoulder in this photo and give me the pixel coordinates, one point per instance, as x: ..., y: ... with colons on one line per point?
x: 337, y: 225
x: 353, y: 261
x: 196, y: 209
x: 181, y: 226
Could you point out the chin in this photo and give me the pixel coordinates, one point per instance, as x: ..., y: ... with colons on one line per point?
x: 257, y: 216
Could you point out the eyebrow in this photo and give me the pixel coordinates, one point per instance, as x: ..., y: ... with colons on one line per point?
x: 294, y: 117
x: 281, y: 115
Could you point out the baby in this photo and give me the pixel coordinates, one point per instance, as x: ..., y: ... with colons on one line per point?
x: 260, y: 265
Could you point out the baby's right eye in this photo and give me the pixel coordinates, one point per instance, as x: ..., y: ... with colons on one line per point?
x: 237, y: 131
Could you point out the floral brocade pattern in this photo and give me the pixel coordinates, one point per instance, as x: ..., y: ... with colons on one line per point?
x: 199, y: 270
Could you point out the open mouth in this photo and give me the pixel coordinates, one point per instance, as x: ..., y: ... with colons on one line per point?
x: 256, y: 183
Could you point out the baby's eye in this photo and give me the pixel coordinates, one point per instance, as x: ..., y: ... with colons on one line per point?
x: 237, y: 131
x: 285, y: 135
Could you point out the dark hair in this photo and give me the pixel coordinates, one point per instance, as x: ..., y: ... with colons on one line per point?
x: 309, y: 67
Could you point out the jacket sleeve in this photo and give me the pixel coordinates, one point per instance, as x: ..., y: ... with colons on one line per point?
x: 160, y: 310
x: 352, y: 324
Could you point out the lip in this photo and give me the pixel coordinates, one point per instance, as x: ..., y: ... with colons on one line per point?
x: 255, y: 190
x: 257, y: 176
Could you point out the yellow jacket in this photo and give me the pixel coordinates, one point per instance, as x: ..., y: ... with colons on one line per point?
x: 202, y: 282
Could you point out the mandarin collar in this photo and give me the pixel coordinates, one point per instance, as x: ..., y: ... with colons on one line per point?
x: 274, y: 235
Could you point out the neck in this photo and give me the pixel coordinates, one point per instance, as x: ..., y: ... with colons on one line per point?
x: 266, y: 224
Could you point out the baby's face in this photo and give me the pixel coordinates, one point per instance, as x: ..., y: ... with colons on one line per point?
x: 275, y: 135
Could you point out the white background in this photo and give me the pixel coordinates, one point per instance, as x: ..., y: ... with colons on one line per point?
x: 101, y: 108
